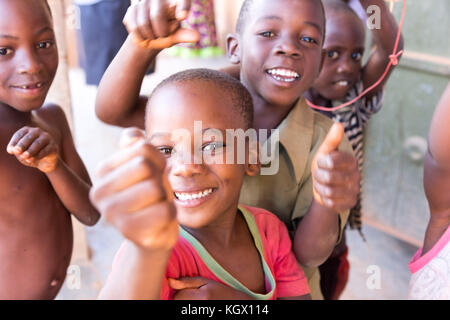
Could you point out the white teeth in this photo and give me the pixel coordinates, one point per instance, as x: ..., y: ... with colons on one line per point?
x: 283, y: 75
x: 342, y: 83
x: 39, y: 85
x: 183, y: 196
x: 24, y: 87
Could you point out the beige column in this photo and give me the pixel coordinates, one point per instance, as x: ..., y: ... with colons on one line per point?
x: 60, y: 94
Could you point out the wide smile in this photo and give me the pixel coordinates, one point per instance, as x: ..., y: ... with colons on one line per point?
x: 30, y: 89
x: 193, y: 198
x: 283, y: 75
x: 342, y: 83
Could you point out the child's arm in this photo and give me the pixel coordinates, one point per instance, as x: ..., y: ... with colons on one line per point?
x: 132, y: 193
x: 36, y: 148
x: 383, y: 46
x: 437, y: 173
x: 152, y: 26
x: 336, y: 184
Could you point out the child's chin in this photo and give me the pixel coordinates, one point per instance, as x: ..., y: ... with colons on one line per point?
x: 285, y: 99
x: 29, y: 107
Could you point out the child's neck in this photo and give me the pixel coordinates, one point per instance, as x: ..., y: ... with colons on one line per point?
x: 268, y: 116
x: 221, y: 233
x: 315, y: 97
x: 10, y: 114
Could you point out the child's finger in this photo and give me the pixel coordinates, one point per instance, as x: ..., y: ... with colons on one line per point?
x: 27, y: 140
x: 130, y: 23
x: 332, y: 140
x: 154, y: 227
x: 140, y: 148
x: 144, y: 23
x: 48, y: 149
x: 336, y: 178
x: 15, y: 139
x: 159, y: 13
x: 337, y: 160
x: 132, y: 172
x: 185, y: 36
x: 182, y: 9
x: 181, y: 36
x: 336, y: 192
x: 37, y: 146
x: 127, y: 201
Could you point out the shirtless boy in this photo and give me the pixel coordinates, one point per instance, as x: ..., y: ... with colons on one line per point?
x: 43, y: 179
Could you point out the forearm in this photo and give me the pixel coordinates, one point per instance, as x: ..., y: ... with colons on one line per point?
x: 385, y: 36
x: 316, y: 235
x: 73, y: 193
x: 436, y: 228
x: 119, y: 89
x: 137, y: 275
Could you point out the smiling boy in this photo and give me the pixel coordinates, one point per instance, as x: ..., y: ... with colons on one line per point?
x: 43, y: 178
x: 147, y: 188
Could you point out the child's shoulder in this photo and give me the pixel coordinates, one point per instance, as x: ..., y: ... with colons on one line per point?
x: 263, y: 217
x: 321, y: 122
x: 51, y: 110
x: 53, y: 116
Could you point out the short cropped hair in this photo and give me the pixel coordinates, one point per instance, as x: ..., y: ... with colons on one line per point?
x: 245, y: 10
x: 337, y: 6
x: 233, y: 88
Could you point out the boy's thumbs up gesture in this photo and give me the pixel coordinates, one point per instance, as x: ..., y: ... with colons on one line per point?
x: 132, y: 193
x: 336, y: 178
x: 155, y: 24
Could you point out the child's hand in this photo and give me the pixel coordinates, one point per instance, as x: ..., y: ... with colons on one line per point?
x: 36, y: 148
x: 336, y: 178
x: 133, y: 194
x: 198, y: 288
x: 155, y: 24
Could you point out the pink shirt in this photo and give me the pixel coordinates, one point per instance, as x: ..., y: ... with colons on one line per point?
x: 431, y: 272
x: 283, y: 275
x: 289, y: 278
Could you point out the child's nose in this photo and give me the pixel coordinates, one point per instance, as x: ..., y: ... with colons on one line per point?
x: 186, y: 166
x: 287, y: 46
x: 29, y: 63
x: 345, y: 66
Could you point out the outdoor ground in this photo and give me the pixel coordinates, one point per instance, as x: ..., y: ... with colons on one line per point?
x: 379, y: 268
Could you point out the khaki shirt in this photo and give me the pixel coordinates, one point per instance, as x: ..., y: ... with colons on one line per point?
x: 288, y: 193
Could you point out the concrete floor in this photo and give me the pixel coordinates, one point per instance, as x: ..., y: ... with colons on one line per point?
x: 379, y: 268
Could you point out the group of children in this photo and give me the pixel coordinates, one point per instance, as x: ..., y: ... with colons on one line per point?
x: 198, y: 229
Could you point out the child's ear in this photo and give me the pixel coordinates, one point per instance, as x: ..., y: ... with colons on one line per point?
x: 233, y: 49
x: 253, y: 165
x: 253, y: 169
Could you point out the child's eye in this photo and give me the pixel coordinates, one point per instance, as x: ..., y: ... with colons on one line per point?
x: 45, y: 44
x: 333, y: 54
x: 357, y: 56
x: 267, y: 34
x: 166, y: 151
x: 309, y: 40
x: 213, y: 146
x: 5, y: 51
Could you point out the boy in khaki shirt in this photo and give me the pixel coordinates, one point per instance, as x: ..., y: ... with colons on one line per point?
x: 289, y: 192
